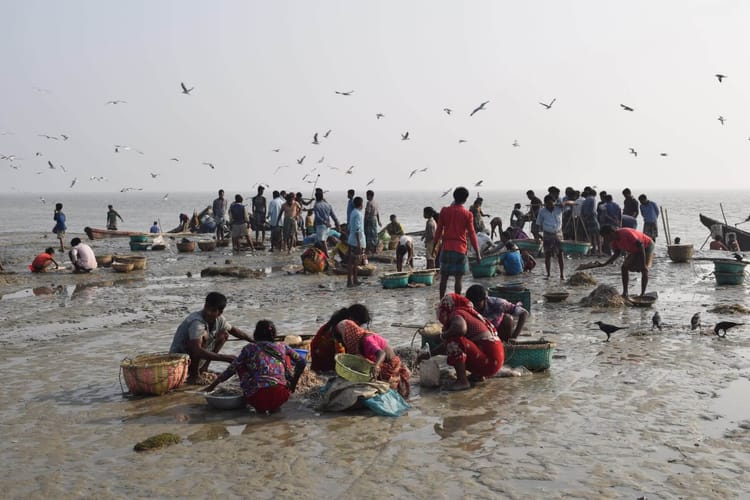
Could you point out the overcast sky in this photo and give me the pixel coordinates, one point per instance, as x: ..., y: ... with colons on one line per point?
x: 265, y: 75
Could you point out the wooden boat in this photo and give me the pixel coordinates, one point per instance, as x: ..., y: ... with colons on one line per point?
x: 718, y: 227
x: 98, y: 234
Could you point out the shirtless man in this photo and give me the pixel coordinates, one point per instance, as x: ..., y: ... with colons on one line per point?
x: 291, y: 210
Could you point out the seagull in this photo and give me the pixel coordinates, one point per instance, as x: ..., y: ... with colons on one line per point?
x: 300, y: 160
x: 116, y: 101
x: 633, y: 152
x: 478, y: 183
x: 344, y: 93
x: 695, y: 321
x: 332, y: 167
x: 424, y: 169
x: 51, y: 166
x: 413, y: 172
x: 65, y: 137
x: 656, y: 321
x: 547, y: 106
x: 276, y: 150
x: 48, y: 137
x: 38, y: 154
x: 321, y: 159
x: 479, y: 108
x: 379, y: 116
x: 41, y: 198
x: 608, y: 329
x: 448, y: 111
x: 75, y: 179
x: 461, y: 141
x: 720, y: 77
x: 209, y: 164
x: 126, y: 189
x: 721, y: 119
x: 164, y: 198
x: 63, y: 169
x: 315, y: 139
x: 174, y: 159
x: 446, y: 192
x: 515, y: 143
x: 153, y: 175
x: 405, y: 136
x: 325, y: 136
x: 663, y: 154
x: 626, y: 108
x: 186, y: 90
x: 371, y: 181
x: 349, y: 170
x: 279, y: 168
x: 723, y: 326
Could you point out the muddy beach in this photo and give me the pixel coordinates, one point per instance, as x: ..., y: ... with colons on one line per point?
x: 661, y: 414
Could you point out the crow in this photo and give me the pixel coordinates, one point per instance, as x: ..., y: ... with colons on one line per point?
x: 609, y: 329
x: 656, y: 321
x: 695, y: 321
x: 723, y: 326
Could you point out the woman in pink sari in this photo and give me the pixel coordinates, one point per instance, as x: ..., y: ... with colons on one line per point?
x: 357, y: 340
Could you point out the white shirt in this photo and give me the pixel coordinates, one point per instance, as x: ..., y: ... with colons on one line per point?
x: 83, y: 256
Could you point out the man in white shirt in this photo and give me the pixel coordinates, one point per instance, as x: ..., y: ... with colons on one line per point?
x: 81, y: 256
x: 275, y: 219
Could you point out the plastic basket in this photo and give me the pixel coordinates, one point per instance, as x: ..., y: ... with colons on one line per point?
x: 729, y: 266
x: 575, y: 247
x: 535, y: 356
x: 353, y: 368
x: 729, y: 278
x: 139, y: 238
x: 522, y: 295
x: 424, y: 277
x: 485, y: 268
x: 156, y: 373
x: 395, y: 280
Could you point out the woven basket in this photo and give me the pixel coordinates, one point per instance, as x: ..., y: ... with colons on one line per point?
x: 138, y: 261
x: 104, y: 260
x: 353, y: 368
x: 207, y: 246
x: 156, y: 373
x: 535, y: 356
x: 186, y: 246
x: 122, y: 267
x: 680, y: 253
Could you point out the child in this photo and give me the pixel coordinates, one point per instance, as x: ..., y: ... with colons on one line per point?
x: 309, y: 223
x: 60, y: 226
x: 43, y: 261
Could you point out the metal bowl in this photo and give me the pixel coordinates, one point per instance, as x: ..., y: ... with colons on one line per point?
x: 224, y: 401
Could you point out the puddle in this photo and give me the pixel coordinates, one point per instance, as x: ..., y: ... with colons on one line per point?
x: 732, y: 406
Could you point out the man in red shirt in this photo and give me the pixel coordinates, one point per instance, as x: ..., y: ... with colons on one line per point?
x: 454, y: 223
x: 640, y: 253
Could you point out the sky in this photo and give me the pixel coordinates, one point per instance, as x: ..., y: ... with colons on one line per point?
x: 265, y: 75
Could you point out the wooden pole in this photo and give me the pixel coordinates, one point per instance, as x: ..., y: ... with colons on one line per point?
x: 722, y: 214
x: 664, y: 225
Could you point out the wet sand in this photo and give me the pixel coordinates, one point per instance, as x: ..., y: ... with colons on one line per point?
x: 662, y: 414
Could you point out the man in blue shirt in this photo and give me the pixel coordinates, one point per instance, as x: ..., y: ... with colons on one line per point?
x: 650, y: 213
x: 511, y: 260
x: 323, y: 214
x: 356, y: 241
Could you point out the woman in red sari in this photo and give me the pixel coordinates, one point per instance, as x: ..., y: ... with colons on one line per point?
x: 323, y: 347
x: 357, y: 340
x: 470, y: 341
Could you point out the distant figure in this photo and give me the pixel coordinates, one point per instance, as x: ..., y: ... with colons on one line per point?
x: 630, y: 205
x: 517, y: 217
x: 81, y: 256
x: 476, y: 211
x: 732, y: 242
x: 718, y: 244
x: 259, y: 214
x: 239, y: 220
x: 219, y: 209
x: 372, y: 222
x: 112, y: 217
x: 43, y: 261
x: 394, y: 229
x: 155, y: 228
x: 496, y: 224
x: 534, y: 207
x: 429, y: 235
x: 324, y: 214
x: 405, y: 248
x: 60, y: 227
x: 650, y: 213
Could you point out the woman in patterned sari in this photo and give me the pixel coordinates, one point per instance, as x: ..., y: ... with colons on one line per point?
x: 357, y: 340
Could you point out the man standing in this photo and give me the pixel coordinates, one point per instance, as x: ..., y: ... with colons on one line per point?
x: 275, y: 218
x: 356, y: 241
x: 220, y: 213
x: 629, y: 204
x: 650, y: 213
x: 60, y: 227
x: 112, y: 217
x: 81, y: 256
x: 454, y: 223
x: 239, y: 220
x: 259, y: 214
x: 349, y: 204
x: 640, y: 253
x: 323, y: 215
x: 550, y: 222
x: 535, y: 204
x: 372, y: 222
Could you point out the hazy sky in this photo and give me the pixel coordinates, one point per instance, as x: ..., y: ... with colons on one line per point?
x: 265, y: 74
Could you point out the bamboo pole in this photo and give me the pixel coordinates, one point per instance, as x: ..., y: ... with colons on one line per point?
x: 664, y: 225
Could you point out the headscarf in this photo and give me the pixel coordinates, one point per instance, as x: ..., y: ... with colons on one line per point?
x: 452, y: 304
x: 352, y: 335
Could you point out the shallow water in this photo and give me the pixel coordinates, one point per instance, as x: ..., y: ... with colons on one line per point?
x: 660, y: 414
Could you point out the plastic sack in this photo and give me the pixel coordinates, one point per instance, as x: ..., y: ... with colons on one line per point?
x: 429, y: 373
x: 389, y: 404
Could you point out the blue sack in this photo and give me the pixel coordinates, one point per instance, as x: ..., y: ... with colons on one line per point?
x: 389, y: 404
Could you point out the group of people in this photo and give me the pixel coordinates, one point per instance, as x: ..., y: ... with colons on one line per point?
x: 81, y: 257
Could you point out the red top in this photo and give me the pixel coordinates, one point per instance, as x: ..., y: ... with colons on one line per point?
x: 453, y: 224
x: 630, y: 240
x: 40, y: 261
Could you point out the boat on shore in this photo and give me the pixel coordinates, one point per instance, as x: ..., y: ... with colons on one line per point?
x: 718, y: 227
x: 99, y: 234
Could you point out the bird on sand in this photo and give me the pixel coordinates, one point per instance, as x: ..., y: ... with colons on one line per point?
x: 186, y: 90
x: 478, y: 183
x: 300, y: 160
x: 626, y: 108
x: 633, y: 152
x: 315, y: 139
x: 721, y: 119
x: 723, y: 326
x: 547, y: 106
x: 609, y: 329
x: 379, y: 115
x: 370, y: 181
x: 209, y: 164
x: 345, y: 93
x: 75, y: 179
x: 328, y: 132
x: 405, y: 136
x: 656, y: 321
x: 720, y: 77
x: 448, y: 111
x: 695, y: 321
x: 116, y: 101
x: 479, y: 108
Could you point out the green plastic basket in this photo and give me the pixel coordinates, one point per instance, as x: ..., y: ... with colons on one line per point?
x: 535, y: 356
x: 353, y: 368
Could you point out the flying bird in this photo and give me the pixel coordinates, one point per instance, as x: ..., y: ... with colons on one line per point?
x: 315, y: 139
x: 723, y: 326
x: 515, y: 143
x: 186, y: 90
x: 51, y: 166
x: 276, y: 150
x: 174, y: 159
x: 209, y: 164
x: 349, y: 170
x: 300, y: 160
x: 379, y: 116
x: 116, y: 101
x: 38, y: 154
x: 325, y: 136
x: 656, y: 321
x: 663, y: 154
x: 479, y: 108
x: 721, y: 119
x: 448, y: 111
x: 695, y: 321
x: 48, y: 137
x: 75, y: 179
x: 344, y: 93
x: 720, y: 77
x: 279, y: 168
x: 626, y: 108
x: 461, y: 141
x: 478, y: 183
x: 165, y: 197
x: 322, y: 158
x: 153, y: 175
x: 633, y: 152
x: 62, y: 168
x: 126, y: 189
x: 608, y: 329
x: 405, y: 136
x: 446, y: 192
x: 370, y: 181
x: 547, y: 106
x: 41, y: 198
x: 65, y: 137
x: 413, y: 172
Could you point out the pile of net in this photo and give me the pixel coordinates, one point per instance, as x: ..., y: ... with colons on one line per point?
x: 603, y: 296
x: 581, y: 279
x: 730, y: 309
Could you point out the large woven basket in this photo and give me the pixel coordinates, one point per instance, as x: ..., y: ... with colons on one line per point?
x: 536, y: 356
x: 186, y: 246
x: 138, y: 261
x: 156, y: 373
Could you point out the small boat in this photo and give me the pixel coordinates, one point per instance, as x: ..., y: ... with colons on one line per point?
x: 718, y: 227
x: 99, y: 234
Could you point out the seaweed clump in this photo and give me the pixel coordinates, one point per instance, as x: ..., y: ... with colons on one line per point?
x: 158, y: 441
x: 581, y: 279
x: 603, y: 296
x: 730, y: 309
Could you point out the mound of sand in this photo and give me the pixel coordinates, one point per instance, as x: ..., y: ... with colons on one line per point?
x: 603, y: 296
x: 233, y: 271
x: 730, y: 309
x: 581, y: 279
